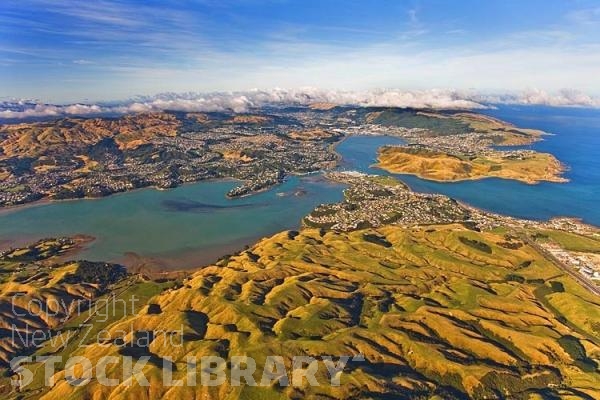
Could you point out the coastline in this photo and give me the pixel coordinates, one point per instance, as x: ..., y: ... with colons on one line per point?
x: 184, y: 261
x: 46, y: 200
x: 478, y: 178
x: 557, y: 167
x: 339, y: 157
x: 575, y: 220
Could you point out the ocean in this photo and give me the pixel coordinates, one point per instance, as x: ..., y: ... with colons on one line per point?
x: 196, y: 224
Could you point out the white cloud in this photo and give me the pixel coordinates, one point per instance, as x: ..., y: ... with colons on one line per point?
x: 249, y: 100
x: 152, y: 47
x: 563, y: 98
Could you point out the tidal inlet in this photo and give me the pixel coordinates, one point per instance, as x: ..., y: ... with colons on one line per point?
x: 289, y: 200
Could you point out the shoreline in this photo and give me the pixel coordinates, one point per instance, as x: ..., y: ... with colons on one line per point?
x: 46, y: 200
x: 472, y: 179
x: 557, y: 174
x: 185, y: 261
x: 575, y: 220
x: 203, y: 260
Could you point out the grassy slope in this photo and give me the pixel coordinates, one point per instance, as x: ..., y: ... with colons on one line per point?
x: 439, y: 166
x: 36, y: 290
x: 433, y: 313
x: 445, y: 167
x: 572, y: 241
x: 86, y: 327
x: 130, y: 131
x: 39, y: 292
x: 442, y: 124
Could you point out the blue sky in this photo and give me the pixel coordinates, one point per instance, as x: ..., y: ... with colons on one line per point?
x: 64, y: 51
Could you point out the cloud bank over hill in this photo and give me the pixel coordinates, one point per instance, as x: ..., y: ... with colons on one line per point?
x: 240, y: 102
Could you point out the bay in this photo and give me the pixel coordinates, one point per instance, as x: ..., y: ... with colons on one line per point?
x: 196, y: 224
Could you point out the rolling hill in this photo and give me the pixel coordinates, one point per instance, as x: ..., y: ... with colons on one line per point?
x: 437, y: 311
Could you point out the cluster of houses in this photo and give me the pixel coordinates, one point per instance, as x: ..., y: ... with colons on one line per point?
x: 579, y: 262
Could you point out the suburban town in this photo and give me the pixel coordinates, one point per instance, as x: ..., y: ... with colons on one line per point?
x: 291, y: 199
x: 371, y: 201
x: 259, y: 151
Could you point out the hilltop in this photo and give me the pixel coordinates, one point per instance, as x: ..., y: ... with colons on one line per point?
x: 79, y: 158
x: 525, y: 166
x: 438, y: 310
x: 468, y: 305
x: 45, y: 138
x: 456, y: 146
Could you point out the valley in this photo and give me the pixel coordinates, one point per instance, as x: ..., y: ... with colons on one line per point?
x: 426, y: 296
x: 85, y: 158
x: 461, y: 307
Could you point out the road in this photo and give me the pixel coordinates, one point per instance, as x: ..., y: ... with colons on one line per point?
x: 591, y: 286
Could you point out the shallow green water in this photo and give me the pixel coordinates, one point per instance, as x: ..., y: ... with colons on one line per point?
x: 192, y: 223
x: 196, y: 224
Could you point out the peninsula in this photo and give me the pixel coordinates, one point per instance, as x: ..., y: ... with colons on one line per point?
x: 524, y: 166
x: 92, y: 157
x: 440, y: 301
x: 462, y: 146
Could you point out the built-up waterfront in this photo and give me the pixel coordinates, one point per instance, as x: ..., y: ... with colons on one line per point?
x: 207, y: 225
